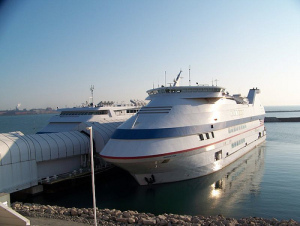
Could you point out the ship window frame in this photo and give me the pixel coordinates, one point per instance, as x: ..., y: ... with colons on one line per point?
x: 201, y: 136
x: 207, y: 135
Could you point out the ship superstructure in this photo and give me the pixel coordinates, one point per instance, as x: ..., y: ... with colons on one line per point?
x: 106, y: 112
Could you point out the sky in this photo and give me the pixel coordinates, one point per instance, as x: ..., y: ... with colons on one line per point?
x: 52, y: 51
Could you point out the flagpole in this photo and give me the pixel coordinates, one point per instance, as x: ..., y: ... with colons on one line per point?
x: 93, y: 173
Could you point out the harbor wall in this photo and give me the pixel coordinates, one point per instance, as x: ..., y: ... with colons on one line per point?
x: 129, y: 217
x: 275, y: 119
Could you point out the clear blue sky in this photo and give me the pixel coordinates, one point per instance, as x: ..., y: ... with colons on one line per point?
x: 52, y: 51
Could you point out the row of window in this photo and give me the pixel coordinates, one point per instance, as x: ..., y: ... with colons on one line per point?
x: 236, y: 128
x: 132, y: 111
x: 188, y: 90
x: 238, y: 112
x: 150, y: 110
x: 237, y: 143
x: 205, y: 136
x: 101, y: 112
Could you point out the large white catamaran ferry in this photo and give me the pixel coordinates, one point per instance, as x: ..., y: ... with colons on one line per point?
x: 186, y: 132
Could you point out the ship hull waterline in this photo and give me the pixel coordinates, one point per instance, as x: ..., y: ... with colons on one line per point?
x: 183, y: 165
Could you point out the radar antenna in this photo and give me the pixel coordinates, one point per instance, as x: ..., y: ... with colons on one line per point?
x: 176, y: 81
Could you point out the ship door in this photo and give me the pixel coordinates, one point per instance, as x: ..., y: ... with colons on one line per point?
x: 218, y: 155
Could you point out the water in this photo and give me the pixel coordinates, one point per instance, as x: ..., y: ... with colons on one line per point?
x: 283, y: 108
x: 263, y: 183
x: 27, y: 124
x: 283, y: 114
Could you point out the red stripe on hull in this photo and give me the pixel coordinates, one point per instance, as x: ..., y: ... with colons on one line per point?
x: 177, y: 152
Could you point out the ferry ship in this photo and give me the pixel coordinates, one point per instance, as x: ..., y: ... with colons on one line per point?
x: 106, y: 114
x: 186, y: 132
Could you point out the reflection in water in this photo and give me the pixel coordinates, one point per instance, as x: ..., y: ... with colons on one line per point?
x: 219, y: 193
x: 216, y: 189
x: 234, y: 183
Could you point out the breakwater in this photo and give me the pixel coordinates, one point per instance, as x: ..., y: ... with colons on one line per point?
x: 117, y: 217
x: 275, y: 119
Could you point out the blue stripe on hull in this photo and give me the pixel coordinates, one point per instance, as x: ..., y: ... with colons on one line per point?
x: 138, y: 134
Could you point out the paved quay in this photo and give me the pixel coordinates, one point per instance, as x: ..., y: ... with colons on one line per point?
x: 55, y: 215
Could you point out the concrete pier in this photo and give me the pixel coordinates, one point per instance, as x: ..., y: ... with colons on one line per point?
x: 34, y: 190
x: 10, y: 217
x: 5, y: 199
x: 275, y: 119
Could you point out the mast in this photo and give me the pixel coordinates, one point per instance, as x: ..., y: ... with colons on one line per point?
x: 92, y: 97
x: 190, y: 75
x: 216, y: 80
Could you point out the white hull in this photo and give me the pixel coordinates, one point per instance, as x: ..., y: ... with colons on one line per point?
x: 194, y: 161
x: 191, y: 166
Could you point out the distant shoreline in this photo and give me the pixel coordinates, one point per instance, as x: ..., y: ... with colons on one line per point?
x: 277, y: 111
x: 30, y: 112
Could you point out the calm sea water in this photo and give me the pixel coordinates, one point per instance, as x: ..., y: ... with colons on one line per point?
x: 27, y: 124
x: 263, y: 183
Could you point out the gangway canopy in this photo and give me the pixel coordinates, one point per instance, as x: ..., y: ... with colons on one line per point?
x: 16, y: 147
x: 102, y: 132
x: 26, y: 158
